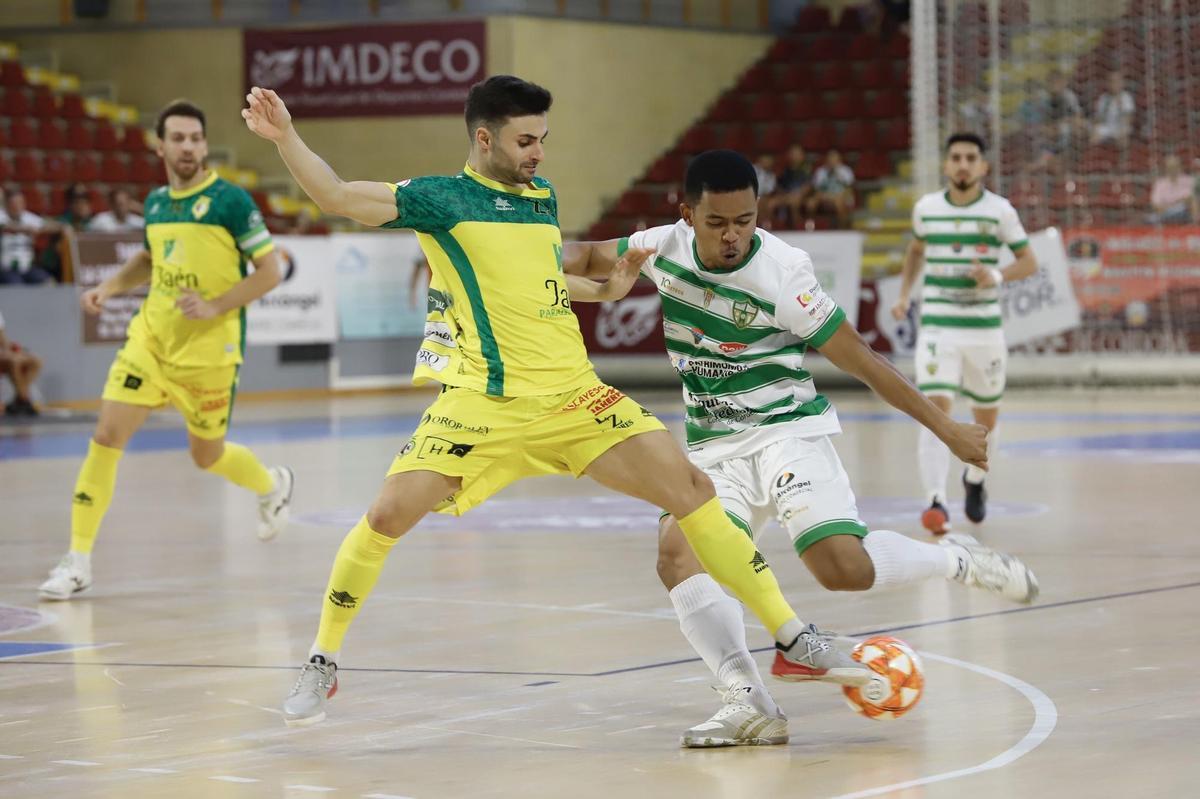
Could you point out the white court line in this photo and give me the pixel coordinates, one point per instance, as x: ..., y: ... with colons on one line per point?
x: 45, y: 619
x: 310, y: 788
x: 12, y: 757
x: 155, y: 770
x: 75, y: 762
x: 1045, y: 717
x: 226, y: 778
x: 384, y: 796
x: 501, y: 737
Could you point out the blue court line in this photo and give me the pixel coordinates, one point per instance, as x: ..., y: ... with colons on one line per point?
x: 648, y: 666
x: 18, y: 649
x: 30, y: 444
x: 1160, y: 440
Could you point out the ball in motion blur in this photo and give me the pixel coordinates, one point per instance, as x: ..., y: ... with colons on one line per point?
x: 898, y: 681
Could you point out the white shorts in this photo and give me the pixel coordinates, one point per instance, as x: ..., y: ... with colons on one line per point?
x: 799, y: 481
x: 950, y: 362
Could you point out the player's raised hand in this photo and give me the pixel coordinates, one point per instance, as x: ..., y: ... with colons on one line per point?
x: 985, y: 276
x: 625, y: 272
x: 92, y: 301
x: 194, y: 306
x: 266, y: 115
x: 968, y: 442
x: 900, y: 309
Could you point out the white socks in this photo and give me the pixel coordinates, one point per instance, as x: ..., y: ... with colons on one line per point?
x: 975, y: 475
x: 933, y: 462
x: 711, y: 620
x: 899, y: 560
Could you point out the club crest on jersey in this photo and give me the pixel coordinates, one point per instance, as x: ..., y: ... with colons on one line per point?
x: 804, y: 298
x: 503, y: 204
x: 709, y: 296
x: 201, y: 206
x: 744, y: 313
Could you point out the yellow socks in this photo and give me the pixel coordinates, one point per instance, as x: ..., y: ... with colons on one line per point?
x: 93, y: 492
x: 355, y: 570
x: 728, y: 554
x: 242, y: 467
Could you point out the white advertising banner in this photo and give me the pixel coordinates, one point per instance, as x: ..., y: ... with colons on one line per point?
x: 837, y: 261
x: 382, y: 282
x: 1039, y: 306
x: 302, y: 308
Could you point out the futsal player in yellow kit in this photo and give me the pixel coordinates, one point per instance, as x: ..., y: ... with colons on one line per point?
x: 184, y: 346
x: 519, y: 397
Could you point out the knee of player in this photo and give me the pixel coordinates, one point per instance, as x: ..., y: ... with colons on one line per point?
x: 702, y: 484
x: 107, y: 436
x: 385, y: 515
x: 205, y: 457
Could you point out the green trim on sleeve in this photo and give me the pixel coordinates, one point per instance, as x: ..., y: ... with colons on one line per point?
x: 826, y: 331
x: 1018, y: 245
x: 622, y: 245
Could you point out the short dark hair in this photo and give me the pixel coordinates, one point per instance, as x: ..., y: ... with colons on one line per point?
x: 179, y: 108
x: 718, y: 171
x: 965, y: 137
x: 490, y: 102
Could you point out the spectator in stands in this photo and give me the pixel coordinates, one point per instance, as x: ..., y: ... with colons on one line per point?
x: 794, y: 187
x: 78, y: 201
x: 1173, y: 196
x: 120, y: 216
x: 1063, y: 124
x: 768, y: 182
x: 833, y: 188
x: 18, y: 226
x: 22, y: 368
x: 1115, y: 109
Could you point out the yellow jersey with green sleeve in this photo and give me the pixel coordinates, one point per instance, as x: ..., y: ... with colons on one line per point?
x: 955, y: 237
x: 499, y: 317
x: 199, y: 240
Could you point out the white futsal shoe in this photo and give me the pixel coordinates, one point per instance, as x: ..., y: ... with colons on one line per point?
x: 274, y: 507
x: 71, y: 577
x: 316, y: 684
x: 998, y: 572
x: 738, y: 723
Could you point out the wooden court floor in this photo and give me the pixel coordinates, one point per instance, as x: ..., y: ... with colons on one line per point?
x: 527, y: 649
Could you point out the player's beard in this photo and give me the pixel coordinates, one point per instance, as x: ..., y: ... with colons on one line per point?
x: 185, y: 171
x: 966, y: 185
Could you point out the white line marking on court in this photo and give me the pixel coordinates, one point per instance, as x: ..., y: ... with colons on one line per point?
x: 12, y: 757
x: 76, y: 762
x: 137, y: 738
x: 635, y: 729
x: 226, y: 778
x: 691, y: 679
x: 1045, y: 717
x: 108, y: 673
x: 384, y: 796
x: 155, y: 770
x: 73, y: 740
x: 310, y: 788
x: 45, y: 619
x: 488, y: 735
x: 18, y: 721
x: 245, y: 703
x: 90, y: 709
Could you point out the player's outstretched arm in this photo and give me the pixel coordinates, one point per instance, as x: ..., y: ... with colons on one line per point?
x: 620, y: 280
x: 590, y: 258
x: 847, y: 350
x: 133, y: 273
x: 368, y: 202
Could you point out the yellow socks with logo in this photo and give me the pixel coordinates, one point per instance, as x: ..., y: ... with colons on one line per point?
x: 355, y: 570
x: 242, y: 467
x: 93, y: 493
x: 728, y: 554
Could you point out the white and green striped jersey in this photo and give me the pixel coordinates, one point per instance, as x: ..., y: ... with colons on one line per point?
x: 738, y: 336
x: 955, y: 236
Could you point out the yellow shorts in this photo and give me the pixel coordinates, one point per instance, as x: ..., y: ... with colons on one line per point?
x: 491, y: 442
x: 203, y: 395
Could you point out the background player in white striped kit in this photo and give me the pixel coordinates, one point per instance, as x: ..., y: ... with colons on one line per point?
x: 740, y: 308
x: 957, y: 239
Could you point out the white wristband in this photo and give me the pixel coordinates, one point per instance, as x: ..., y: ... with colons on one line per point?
x: 997, y: 275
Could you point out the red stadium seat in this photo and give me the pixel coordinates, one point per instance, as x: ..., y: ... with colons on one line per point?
x: 113, y: 169
x: 818, y: 136
x: 106, y: 136
x: 864, y: 46
x: 765, y: 107
x: 57, y: 167
x: 793, y: 78
x: 738, y: 137
x: 698, y: 139
x: 803, y: 106
x: 12, y: 73
x: 813, y: 19
x: 846, y: 105
x: 887, y: 105
x: 27, y: 167
x: 834, y: 76
x: 6, y: 169
x: 850, y: 21
x: 133, y: 140
x: 22, y: 133
x: 830, y: 47
x: 87, y: 168
x: 44, y: 103
x: 51, y: 135
x: 894, y: 135
x: 776, y: 137
x: 873, y: 165
x: 36, y: 201
x: 858, y: 134
x: 146, y: 168
x: 897, y: 47
x: 728, y: 109
x: 756, y: 79
x: 72, y: 107
x: 874, y: 74
x: 79, y: 136
x: 632, y: 203
x: 667, y: 169
x: 16, y: 103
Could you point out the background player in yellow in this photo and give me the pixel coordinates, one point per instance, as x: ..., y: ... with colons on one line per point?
x: 519, y: 396
x: 185, y: 344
